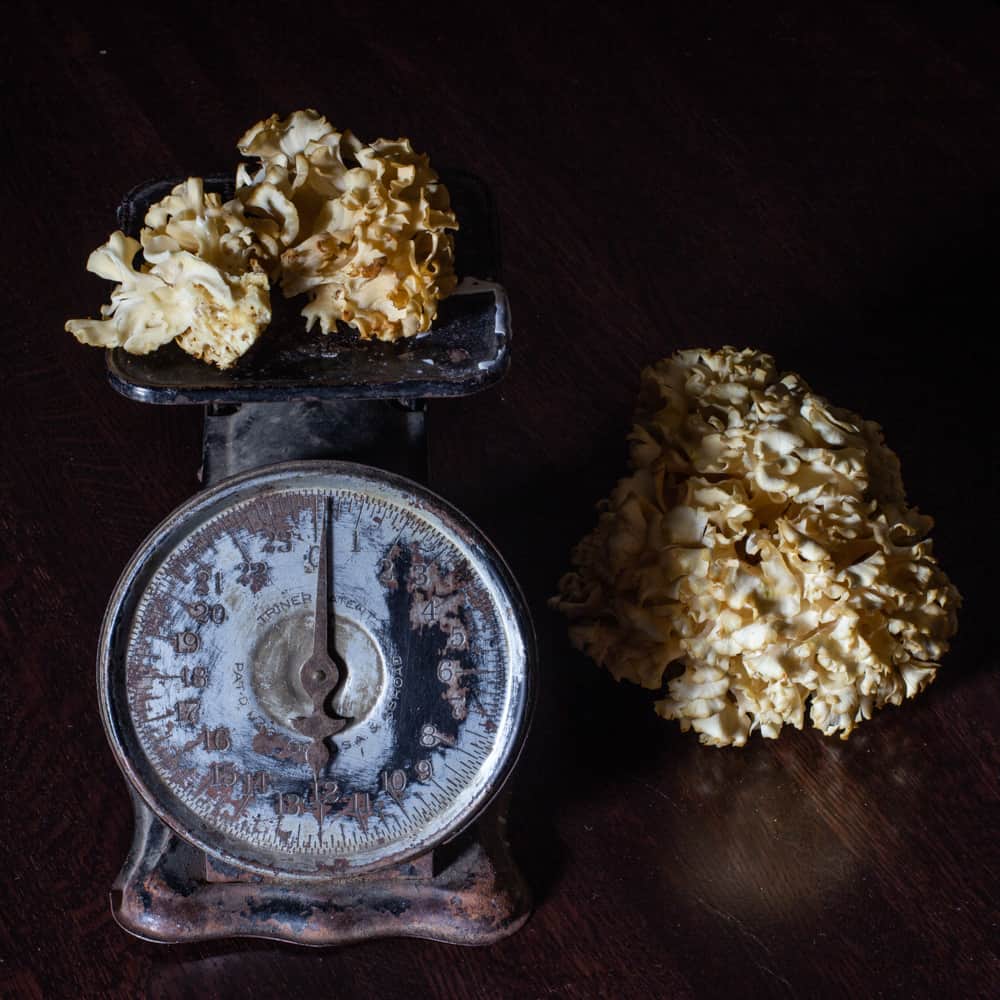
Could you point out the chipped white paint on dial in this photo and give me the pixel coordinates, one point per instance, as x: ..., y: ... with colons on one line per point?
x: 218, y: 611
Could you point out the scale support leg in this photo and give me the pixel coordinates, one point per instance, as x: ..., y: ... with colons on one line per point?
x: 473, y: 894
x: 386, y: 433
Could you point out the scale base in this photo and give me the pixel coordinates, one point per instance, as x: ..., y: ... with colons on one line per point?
x: 168, y: 892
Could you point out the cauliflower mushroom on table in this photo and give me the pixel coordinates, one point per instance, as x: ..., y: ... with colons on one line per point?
x: 761, y: 545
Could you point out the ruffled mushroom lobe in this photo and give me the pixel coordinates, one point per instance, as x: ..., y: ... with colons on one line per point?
x: 202, y: 282
x: 364, y: 227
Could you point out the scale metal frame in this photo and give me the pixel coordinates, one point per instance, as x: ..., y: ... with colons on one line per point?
x: 292, y: 398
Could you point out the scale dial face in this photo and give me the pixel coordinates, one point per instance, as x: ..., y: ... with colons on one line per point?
x: 292, y: 746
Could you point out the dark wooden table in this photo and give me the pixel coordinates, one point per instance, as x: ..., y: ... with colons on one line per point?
x: 816, y: 182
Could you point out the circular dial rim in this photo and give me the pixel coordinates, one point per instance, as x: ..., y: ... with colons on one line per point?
x: 190, y: 517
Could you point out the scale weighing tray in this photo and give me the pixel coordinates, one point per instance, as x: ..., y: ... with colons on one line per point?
x: 466, y: 350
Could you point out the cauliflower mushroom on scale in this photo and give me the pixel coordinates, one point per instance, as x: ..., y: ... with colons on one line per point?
x: 203, y: 283
x: 364, y: 227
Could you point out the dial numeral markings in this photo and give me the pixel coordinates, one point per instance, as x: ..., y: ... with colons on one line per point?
x: 223, y: 773
x: 387, y: 572
x: 201, y: 579
x: 186, y: 642
x: 431, y: 737
x: 216, y: 739
x: 226, y: 774
x: 256, y: 783
x: 312, y: 558
x: 202, y: 613
x: 394, y: 783
x: 359, y: 807
x: 289, y: 804
x: 187, y: 711
x: 194, y: 676
x: 277, y: 541
x: 253, y: 575
x: 294, y: 804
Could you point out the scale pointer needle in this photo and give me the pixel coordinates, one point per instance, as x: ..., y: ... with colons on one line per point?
x: 320, y: 674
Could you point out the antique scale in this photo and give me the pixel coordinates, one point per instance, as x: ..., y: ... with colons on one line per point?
x: 316, y: 675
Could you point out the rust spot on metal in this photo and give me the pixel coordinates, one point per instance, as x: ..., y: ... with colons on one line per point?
x: 270, y: 743
x: 172, y: 893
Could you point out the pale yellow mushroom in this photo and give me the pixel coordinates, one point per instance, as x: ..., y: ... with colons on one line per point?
x: 364, y: 228
x: 202, y: 283
x: 759, y: 563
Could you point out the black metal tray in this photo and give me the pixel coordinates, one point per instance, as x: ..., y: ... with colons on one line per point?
x: 466, y: 350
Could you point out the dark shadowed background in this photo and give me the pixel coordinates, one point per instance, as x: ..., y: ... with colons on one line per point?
x: 816, y: 180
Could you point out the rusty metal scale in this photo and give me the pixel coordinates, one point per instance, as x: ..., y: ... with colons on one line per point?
x: 316, y: 674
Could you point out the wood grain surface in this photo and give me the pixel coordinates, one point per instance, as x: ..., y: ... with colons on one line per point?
x: 813, y: 179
